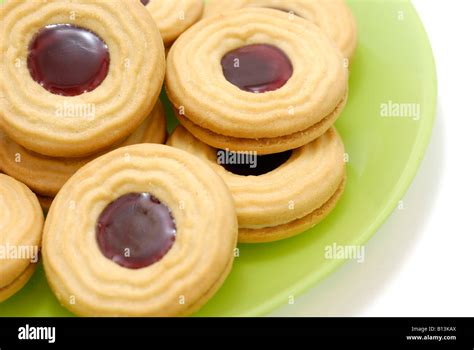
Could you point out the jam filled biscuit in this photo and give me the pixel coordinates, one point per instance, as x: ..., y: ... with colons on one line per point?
x: 145, y: 230
x: 256, y: 80
x: 46, y: 175
x: 21, y: 224
x: 333, y: 16
x: 77, y: 76
x: 174, y: 16
x: 278, y: 195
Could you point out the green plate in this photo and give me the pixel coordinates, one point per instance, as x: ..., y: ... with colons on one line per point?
x: 393, y: 66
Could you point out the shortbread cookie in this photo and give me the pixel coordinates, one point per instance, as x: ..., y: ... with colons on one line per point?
x: 21, y: 224
x: 256, y: 79
x: 46, y: 175
x: 145, y: 230
x: 14, y: 287
x: 263, y: 145
x: 279, y: 195
x: 333, y: 16
x: 77, y: 76
x: 174, y: 16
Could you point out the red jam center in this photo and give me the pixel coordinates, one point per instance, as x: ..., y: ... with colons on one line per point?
x: 68, y: 60
x: 252, y: 165
x: 257, y: 68
x: 145, y: 2
x: 136, y: 230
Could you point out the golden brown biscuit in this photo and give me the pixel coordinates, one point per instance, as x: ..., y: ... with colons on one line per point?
x: 293, y: 228
x: 256, y: 78
x: 145, y: 230
x: 46, y: 175
x: 277, y: 196
x: 263, y: 145
x: 174, y: 16
x: 21, y: 223
x: 333, y: 16
x: 77, y: 76
x: 17, y: 284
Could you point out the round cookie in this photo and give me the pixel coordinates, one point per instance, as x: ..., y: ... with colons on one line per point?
x: 281, y: 195
x: 77, y: 76
x: 46, y: 175
x: 173, y: 17
x: 333, y: 16
x: 15, y: 286
x: 263, y: 145
x: 272, y: 85
x: 21, y: 224
x: 145, y: 230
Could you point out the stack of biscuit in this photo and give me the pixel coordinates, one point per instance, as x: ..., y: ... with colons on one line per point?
x: 135, y: 228
x: 57, y: 119
x: 70, y: 92
x: 46, y: 175
x: 257, y: 86
x: 21, y: 225
x: 46, y: 168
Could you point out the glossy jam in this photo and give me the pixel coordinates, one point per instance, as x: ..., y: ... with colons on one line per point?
x: 257, y: 68
x: 258, y: 165
x: 135, y: 230
x: 68, y: 60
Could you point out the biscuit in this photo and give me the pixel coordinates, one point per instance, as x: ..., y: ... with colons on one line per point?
x: 211, y: 72
x: 263, y: 145
x: 77, y: 76
x: 21, y: 224
x: 333, y: 16
x: 173, y: 17
x: 145, y: 230
x: 281, y: 195
x: 19, y: 282
x: 46, y: 175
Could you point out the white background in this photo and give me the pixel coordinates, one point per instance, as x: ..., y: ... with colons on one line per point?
x: 421, y: 262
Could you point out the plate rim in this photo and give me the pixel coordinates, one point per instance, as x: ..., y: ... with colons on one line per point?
x: 408, y: 174
x: 406, y: 179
